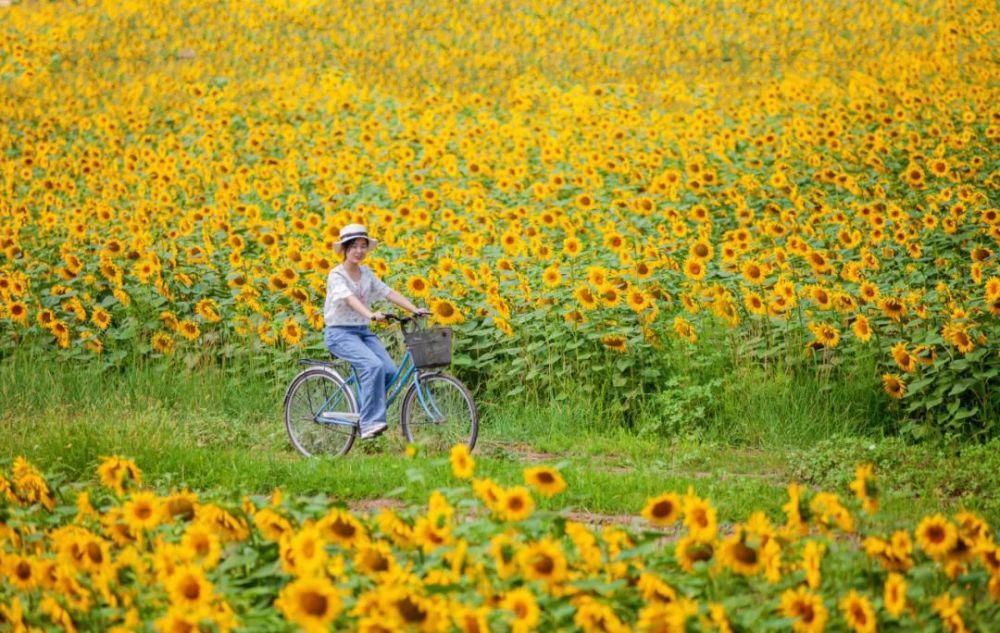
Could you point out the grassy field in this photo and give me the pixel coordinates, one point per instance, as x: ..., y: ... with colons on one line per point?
x: 222, y: 430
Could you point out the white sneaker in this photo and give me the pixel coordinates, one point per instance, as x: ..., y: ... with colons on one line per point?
x: 334, y: 417
x: 374, y: 430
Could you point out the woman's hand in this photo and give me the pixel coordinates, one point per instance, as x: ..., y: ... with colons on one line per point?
x: 378, y: 316
x: 421, y: 312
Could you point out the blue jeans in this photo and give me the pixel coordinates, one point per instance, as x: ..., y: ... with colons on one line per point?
x: 364, y: 351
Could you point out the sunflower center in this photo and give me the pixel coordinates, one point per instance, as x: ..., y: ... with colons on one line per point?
x: 744, y: 554
x: 314, y: 604
x: 663, y: 509
x: 190, y: 589
x: 544, y: 565
x: 343, y: 529
x: 411, y: 611
x: 23, y: 571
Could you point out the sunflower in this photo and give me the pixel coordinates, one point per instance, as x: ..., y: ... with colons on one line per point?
x: 736, y: 553
x: 572, y: 246
x: 754, y: 303
x: 894, y: 594
x: 694, y: 269
x: 114, y: 472
x: 615, y: 343
x: 862, y: 328
x: 545, y: 479
x: 893, y: 385
x: 504, y: 552
x: 516, y: 504
x: 864, y: 487
x: 341, y: 527
x: 892, y: 307
x: 101, y: 318
x: 609, y: 295
x: 958, y: 336
x: 913, y: 175
x: 936, y: 535
x: 685, y: 330
x: 701, y: 250
x: 188, y: 589
x: 445, y: 312
x: 663, y: 510
x: 271, y: 524
x: 903, y: 358
x: 805, y: 609
x: 655, y: 590
x: 752, y: 271
x: 585, y: 297
x: 142, y: 511
x: 23, y: 572
x: 593, y: 617
x: 524, y: 607
x: 208, y: 310
x: 303, y: 553
x: 637, y: 300
x: 543, y: 560
x: 488, y: 492
x: 418, y: 286
x: 858, y: 612
x: 826, y: 335
x: 312, y: 603
x: 551, y: 276
x: 462, y: 464
x: 291, y: 332
x: 375, y: 559
x: 189, y: 329
x: 690, y: 551
x: 18, y: 311
x: 700, y: 518
x: 203, y: 545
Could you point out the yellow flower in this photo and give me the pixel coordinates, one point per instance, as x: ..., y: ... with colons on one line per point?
x: 700, y: 518
x: 524, y: 607
x: 936, y: 535
x: 312, y: 603
x: 516, y: 504
x: 142, y: 511
x: 858, y: 612
x: 189, y: 590
x: 445, y: 312
x: 462, y: 464
x: 806, y: 609
x: 894, y: 594
x: 543, y: 560
x: 545, y: 479
x: 893, y: 385
x: 663, y: 510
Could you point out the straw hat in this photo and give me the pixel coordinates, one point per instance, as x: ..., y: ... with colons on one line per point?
x: 350, y: 232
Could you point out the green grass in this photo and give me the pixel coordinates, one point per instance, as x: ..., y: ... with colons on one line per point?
x: 222, y: 430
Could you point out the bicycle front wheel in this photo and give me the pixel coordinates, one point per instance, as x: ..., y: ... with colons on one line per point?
x: 313, y: 392
x: 440, y: 414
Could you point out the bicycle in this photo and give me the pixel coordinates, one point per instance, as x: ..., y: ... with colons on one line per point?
x: 437, y: 412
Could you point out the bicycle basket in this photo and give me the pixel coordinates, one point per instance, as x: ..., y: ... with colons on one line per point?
x: 430, y: 347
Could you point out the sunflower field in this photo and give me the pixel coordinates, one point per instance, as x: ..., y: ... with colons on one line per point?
x: 580, y: 189
x: 478, y: 557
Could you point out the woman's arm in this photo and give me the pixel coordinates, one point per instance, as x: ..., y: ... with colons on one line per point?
x: 402, y: 302
x: 360, y: 308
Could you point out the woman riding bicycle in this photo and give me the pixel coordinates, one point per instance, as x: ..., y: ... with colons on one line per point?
x: 350, y: 290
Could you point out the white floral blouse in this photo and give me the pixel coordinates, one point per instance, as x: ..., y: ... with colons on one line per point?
x: 340, y: 286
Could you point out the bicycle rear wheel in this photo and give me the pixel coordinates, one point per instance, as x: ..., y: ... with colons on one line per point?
x: 440, y: 415
x: 314, y: 391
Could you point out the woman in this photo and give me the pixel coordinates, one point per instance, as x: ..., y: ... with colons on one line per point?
x: 350, y: 290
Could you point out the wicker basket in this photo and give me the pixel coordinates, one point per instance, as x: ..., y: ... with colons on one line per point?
x: 430, y: 347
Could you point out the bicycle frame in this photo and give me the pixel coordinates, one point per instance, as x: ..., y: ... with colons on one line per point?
x: 404, y: 373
